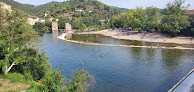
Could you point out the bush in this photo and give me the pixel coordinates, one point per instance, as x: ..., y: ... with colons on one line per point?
x: 53, y: 81
x: 80, y: 82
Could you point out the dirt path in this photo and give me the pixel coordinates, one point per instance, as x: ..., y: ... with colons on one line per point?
x: 7, y: 86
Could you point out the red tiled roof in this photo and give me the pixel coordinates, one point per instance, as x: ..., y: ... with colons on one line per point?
x: 188, y: 12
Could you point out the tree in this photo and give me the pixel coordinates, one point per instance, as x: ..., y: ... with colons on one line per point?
x: 152, y: 18
x: 174, y: 18
x: 190, y: 29
x: 136, y: 19
x: 78, y: 24
x: 13, y: 37
x: 62, y: 22
x: 39, y: 27
x: 31, y: 61
x: 118, y: 21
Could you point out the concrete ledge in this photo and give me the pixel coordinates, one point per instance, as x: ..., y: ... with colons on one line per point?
x: 186, y: 84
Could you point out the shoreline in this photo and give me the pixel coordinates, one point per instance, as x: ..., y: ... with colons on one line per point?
x: 62, y: 37
x: 148, y: 37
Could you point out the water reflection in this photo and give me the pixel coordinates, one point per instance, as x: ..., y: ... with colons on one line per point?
x: 69, y: 36
x: 55, y: 34
x: 171, y: 58
x: 150, y: 52
x: 96, y: 38
x: 136, y: 53
x: 122, y: 69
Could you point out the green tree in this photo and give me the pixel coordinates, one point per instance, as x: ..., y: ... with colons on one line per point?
x: 13, y: 37
x: 152, y: 18
x: 62, y: 22
x: 190, y: 29
x: 136, y: 19
x: 78, y: 24
x: 48, y: 24
x: 174, y: 18
x: 31, y: 61
x: 118, y: 21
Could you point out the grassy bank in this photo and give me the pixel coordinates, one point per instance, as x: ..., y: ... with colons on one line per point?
x: 13, y: 82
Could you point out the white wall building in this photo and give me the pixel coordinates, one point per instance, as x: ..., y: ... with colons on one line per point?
x: 32, y: 21
x: 5, y: 6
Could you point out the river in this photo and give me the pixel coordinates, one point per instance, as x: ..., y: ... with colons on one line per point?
x: 119, y: 69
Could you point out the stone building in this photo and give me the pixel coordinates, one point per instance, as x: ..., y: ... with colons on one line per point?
x: 41, y: 20
x: 68, y: 27
x: 78, y: 9
x: 54, y: 26
x: 5, y: 6
x: 32, y: 21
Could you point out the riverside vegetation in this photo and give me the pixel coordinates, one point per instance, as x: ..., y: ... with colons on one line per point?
x: 22, y: 62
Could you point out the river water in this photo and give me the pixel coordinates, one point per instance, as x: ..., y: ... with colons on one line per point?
x: 119, y: 69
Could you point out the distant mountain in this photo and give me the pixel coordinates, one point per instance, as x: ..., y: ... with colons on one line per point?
x: 84, y: 8
x: 122, y: 9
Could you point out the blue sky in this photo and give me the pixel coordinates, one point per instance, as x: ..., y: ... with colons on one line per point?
x: 130, y: 4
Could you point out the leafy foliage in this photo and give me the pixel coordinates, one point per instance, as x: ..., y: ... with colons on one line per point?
x: 14, y: 36
x: 80, y: 82
x: 78, y: 24
x: 174, y: 18
x: 31, y: 63
x: 152, y: 18
x: 189, y: 30
x: 42, y: 27
x: 136, y: 19
x: 118, y: 21
x: 62, y: 22
x: 53, y: 81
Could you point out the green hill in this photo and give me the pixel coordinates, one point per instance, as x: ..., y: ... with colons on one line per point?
x: 23, y: 7
x: 41, y: 9
x: 122, y: 9
x: 87, y: 7
x: 68, y: 9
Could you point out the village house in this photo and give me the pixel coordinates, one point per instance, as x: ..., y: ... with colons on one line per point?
x: 57, y: 20
x: 79, y: 9
x: 41, y: 20
x: 189, y: 12
x: 5, y: 6
x: 32, y: 21
x: 50, y: 19
x: 45, y: 15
